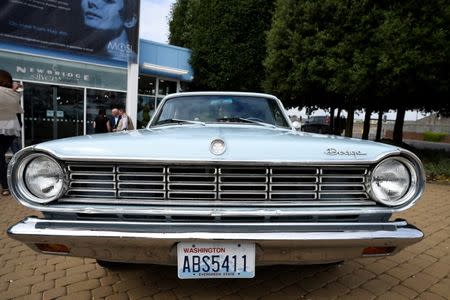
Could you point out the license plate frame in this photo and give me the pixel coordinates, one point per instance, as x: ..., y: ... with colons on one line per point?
x: 215, y: 260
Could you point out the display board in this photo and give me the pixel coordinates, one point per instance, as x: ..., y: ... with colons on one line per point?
x: 100, y: 28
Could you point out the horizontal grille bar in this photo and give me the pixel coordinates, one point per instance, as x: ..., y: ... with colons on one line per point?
x: 224, y: 185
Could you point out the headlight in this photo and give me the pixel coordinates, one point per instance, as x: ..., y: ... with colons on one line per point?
x: 393, y: 181
x: 42, y: 178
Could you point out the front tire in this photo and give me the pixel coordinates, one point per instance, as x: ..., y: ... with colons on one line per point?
x: 109, y: 264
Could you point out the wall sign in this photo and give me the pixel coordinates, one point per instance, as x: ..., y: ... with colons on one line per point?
x: 106, y: 29
x: 40, y: 69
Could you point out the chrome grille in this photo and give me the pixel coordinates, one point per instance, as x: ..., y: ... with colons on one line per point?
x: 222, y: 185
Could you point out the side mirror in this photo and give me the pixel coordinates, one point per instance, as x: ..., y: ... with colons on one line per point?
x: 296, y: 125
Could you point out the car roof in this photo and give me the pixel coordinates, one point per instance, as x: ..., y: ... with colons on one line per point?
x: 248, y: 94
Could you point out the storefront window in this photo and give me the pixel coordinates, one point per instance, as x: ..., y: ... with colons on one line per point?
x: 184, y: 86
x: 151, y: 91
x: 98, y: 99
x: 166, y: 87
x: 147, y: 85
x: 51, y: 112
x: 146, y: 108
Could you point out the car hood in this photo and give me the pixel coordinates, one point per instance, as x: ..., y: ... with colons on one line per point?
x: 244, y: 143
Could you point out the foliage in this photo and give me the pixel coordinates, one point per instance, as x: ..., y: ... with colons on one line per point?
x: 436, y: 163
x: 376, y: 55
x: 360, y: 54
x: 434, y: 136
x: 319, y: 52
x: 227, y: 39
x: 414, y: 54
x: 179, y: 24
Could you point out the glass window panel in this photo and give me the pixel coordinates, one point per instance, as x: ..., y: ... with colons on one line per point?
x: 147, y: 85
x: 146, y: 108
x: 158, y: 101
x: 69, y: 112
x: 184, y: 86
x: 96, y: 100
x: 51, y: 112
x: 166, y: 87
x: 38, y: 108
x: 217, y: 109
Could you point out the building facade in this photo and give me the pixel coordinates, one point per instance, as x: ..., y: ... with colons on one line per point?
x: 63, y: 93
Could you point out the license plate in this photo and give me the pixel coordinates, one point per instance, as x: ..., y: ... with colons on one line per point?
x: 216, y: 260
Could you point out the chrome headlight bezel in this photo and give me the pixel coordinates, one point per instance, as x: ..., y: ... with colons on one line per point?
x: 18, y: 176
x: 412, y: 189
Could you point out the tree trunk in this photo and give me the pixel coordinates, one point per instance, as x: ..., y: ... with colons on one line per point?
x: 349, y: 125
x: 398, y: 127
x: 379, y: 125
x: 366, y: 128
x: 338, y: 124
x: 332, y: 123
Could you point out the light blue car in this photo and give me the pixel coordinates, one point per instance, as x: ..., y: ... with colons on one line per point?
x: 218, y: 183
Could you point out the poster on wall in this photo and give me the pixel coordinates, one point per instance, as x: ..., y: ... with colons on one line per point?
x: 100, y: 28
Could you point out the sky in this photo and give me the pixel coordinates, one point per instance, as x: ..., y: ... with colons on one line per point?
x: 154, y: 20
x: 154, y: 26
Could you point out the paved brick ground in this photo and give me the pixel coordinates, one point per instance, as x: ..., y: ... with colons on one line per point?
x: 421, y: 271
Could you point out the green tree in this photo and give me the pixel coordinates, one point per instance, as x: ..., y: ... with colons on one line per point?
x: 413, y: 65
x: 319, y: 53
x: 227, y: 39
x: 179, y: 24
x: 360, y: 54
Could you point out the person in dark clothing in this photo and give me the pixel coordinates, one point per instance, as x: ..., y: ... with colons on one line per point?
x: 101, y: 122
x: 114, y: 119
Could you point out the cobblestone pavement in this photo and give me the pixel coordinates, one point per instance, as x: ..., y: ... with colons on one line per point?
x: 420, y: 271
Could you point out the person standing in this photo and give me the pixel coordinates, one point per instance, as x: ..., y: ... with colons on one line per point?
x: 114, y: 119
x: 16, y: 144
x: 9, y: 123
x: 101, y: 122
x: 125, y: 122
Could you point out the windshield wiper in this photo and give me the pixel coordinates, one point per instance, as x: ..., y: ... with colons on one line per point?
x: 179, y: 121
x: 245, y: 120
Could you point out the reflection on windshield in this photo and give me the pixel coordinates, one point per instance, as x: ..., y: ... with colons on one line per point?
x: 219, y: 109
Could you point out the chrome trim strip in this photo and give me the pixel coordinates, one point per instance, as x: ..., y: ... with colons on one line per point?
x: 92, y: 167
x: 349, y: 232
x: 144, y: 176
x: 206, y: 203
x: 81, y: 176
x: 73, y: 184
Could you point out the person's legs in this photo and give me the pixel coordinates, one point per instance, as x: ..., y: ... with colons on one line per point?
x: 15, y: 145
x: 5, y: 143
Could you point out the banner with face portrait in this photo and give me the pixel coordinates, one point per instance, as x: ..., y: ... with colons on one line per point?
x: 107, y: 29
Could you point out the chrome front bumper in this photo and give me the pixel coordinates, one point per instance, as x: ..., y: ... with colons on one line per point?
x: 151, y: 242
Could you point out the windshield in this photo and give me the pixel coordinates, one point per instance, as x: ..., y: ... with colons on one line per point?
x: 220, y: 109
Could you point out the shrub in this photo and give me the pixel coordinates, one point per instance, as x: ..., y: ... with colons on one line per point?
x: 434, y: 136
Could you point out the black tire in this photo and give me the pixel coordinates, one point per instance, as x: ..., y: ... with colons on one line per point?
x: 333, y: 264
x: 109, y: 264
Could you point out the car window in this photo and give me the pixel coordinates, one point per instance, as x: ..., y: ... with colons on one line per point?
x: 216, y: 109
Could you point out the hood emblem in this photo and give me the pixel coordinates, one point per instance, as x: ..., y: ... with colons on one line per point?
x: 333, y: 152
x: 217, y: 147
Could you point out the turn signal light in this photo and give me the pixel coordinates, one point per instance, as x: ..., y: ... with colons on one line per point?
x: 59, y: 248
x: 378, y: 250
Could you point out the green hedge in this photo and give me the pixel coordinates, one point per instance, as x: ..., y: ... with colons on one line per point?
x: 434, y: 136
